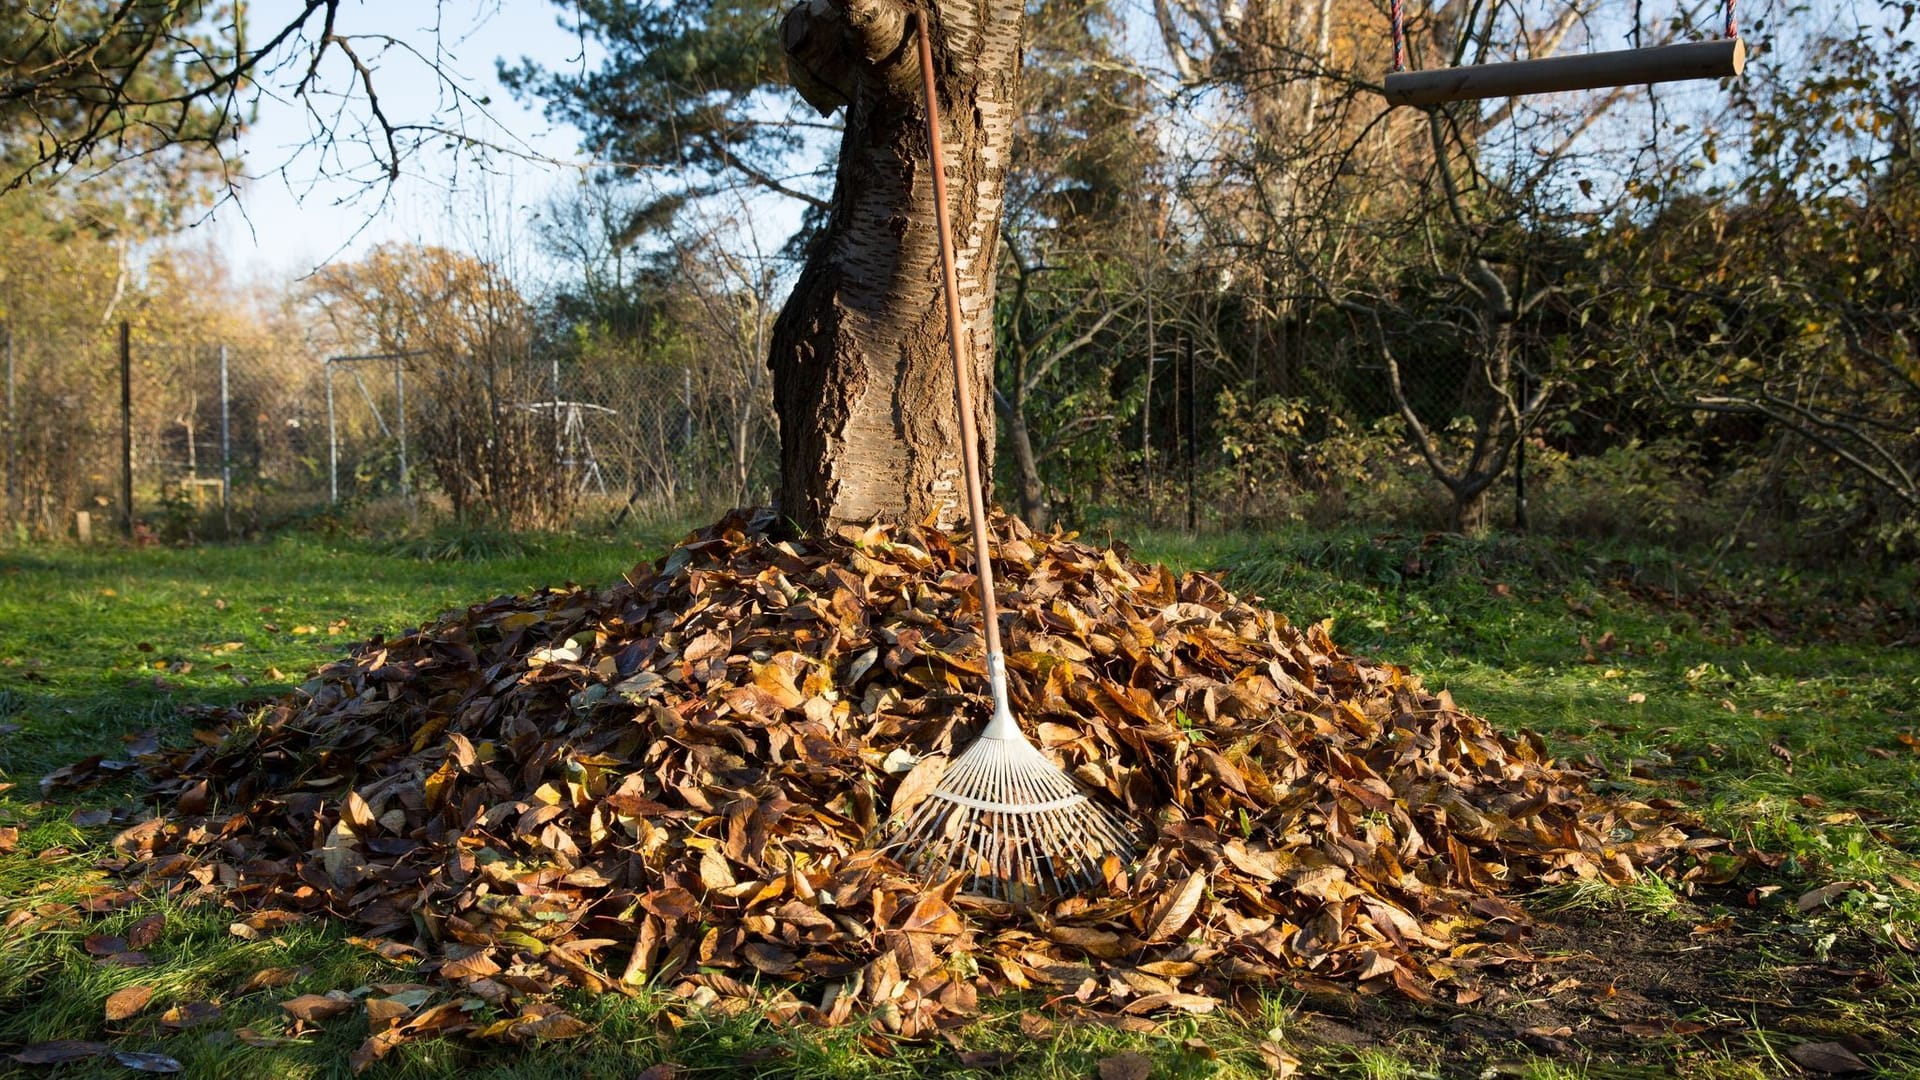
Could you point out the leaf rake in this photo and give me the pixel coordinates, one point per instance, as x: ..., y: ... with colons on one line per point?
x: 1003, y: 815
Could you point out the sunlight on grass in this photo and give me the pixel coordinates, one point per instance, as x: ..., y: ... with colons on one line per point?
x: 1790, y: 745
x: 1374, y: 1063
x: 1647, y: 896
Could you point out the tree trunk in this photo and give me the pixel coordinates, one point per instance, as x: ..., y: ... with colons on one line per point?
x: 1469, y: 517
x: 862, y: 379
x: 1033, y: 492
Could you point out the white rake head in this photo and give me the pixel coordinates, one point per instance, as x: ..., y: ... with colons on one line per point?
x: 1010, y: 820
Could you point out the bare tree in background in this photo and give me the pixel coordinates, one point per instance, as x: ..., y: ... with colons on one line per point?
x: 86, y: 84
x: 465, y: 334
x: 729, y: 300
x: 1314, y: 194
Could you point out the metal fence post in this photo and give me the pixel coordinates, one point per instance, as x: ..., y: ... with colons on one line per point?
x: 13, y: 438
x: 686, y: 405
x: 400, y: 407
x: 126, y: 428
x: 1193, y: 437
x: 559, y: 449
x: 333, y: 442
x: 226, y: 448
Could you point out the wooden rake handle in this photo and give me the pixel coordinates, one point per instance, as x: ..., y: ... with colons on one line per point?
x: 962, y: 392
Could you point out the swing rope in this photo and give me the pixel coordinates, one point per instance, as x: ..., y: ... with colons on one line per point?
x: 1397, y: 15
x: 1400, y: 37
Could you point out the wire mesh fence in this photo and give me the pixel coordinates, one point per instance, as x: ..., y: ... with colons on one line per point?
x: 186, y: 440
x: 225, y: 439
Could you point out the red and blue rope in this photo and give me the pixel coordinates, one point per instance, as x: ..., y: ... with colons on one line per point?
x: 1400, y: 35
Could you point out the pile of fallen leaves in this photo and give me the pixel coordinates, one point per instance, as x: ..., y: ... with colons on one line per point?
x: 685, y: 781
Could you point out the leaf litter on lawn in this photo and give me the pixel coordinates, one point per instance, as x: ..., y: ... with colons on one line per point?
x: 685, y: 781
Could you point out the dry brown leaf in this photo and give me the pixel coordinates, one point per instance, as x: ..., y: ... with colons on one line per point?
x: 58, y: 1052
x: 314, y: 1008
x: 918, y: 784
x: 1177, y: 908
x: 190, y: 1014
x: 1826, y: 894
x: 769, y: 959
x: 469, y: 962
x: 1193, y: 1003
x: 269, y: 978
x: 1104, y: 944
x: 124, y: 1003
x: 1280, y: 1062
x: 382, y: 1012
x: 1826, y: 1057
x: 146, y: 932
x: 1126, y: 1065
x: 714, y: 871
x: 1035, y: 1026
x: 933, y: 915
x: 547, y: 1024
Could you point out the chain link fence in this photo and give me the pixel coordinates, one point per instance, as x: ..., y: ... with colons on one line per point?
x: 187, y: 440
x: 230, y: 439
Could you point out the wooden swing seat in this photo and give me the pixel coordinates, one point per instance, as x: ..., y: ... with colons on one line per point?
x: 1720, y: 59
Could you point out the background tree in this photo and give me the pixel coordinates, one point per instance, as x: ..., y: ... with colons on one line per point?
x: 94, y: 81
x: 1079, y: 188
x: 465, y: 334
x: 1440, y: 234
x: 698, y: 88
x: 95, y: 84
x: 84, y: 86
x: 1767, y: 316
x: 862, y: 384
x: 1711, y: 284
x: 685, y: 313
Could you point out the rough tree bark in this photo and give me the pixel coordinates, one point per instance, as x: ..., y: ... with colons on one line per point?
x: 862, y: 382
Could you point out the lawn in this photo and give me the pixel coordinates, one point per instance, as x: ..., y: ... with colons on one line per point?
x: 1781, y: 706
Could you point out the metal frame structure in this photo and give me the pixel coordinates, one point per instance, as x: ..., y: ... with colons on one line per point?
x: 398, y: 431
x: 572, y: 446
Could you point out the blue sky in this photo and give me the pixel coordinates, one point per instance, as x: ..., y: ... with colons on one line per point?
x: 299, y: 208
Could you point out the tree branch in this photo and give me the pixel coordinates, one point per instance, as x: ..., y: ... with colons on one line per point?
x: 1903, y: 488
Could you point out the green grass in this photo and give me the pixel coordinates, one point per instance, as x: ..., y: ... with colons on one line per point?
x: 1649, y: 896
x: 98, y: 643
x: 1785, y: 734
x: 1760, y: 719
